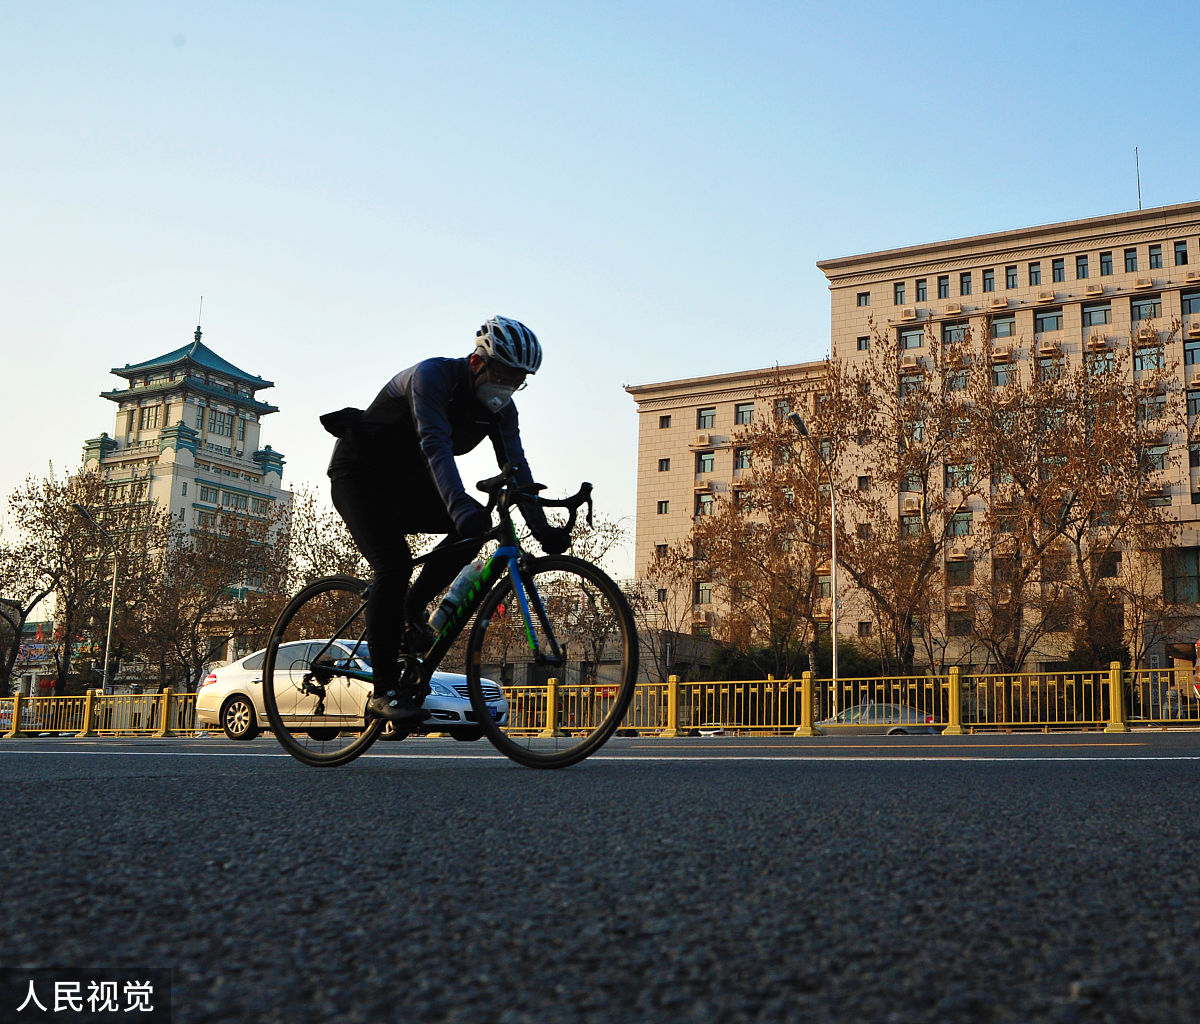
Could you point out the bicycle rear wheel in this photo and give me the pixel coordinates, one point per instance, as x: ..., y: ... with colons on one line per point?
x: 585, y: 641
x: 314, y: 690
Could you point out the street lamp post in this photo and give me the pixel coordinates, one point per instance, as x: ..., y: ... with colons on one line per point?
x: 112, y: 597
x: 802, y: 430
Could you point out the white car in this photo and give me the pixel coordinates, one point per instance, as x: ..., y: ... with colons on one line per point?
x: 231, y: 696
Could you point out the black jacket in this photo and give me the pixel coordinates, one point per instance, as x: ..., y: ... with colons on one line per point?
x: 423, y: 417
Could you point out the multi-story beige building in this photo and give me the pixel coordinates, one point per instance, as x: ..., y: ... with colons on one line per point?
x: 687, y: 447
x: 188, y: 436
x: 1065, y: 289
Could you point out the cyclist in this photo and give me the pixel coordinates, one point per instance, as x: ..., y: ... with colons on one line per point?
x: 393, y: 473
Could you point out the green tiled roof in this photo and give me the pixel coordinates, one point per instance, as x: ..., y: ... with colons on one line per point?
x: 198, y: 353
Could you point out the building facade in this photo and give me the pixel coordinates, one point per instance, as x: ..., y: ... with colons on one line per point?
x: 1066, y: 290
x: 188, y: 436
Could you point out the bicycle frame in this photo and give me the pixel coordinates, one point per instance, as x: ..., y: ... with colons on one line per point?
x: 506, y: 558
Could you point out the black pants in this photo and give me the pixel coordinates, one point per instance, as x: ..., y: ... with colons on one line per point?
x: 379, y: 513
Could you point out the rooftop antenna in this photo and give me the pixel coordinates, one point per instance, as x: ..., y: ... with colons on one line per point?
x: 1138, y: 167
x: 200, y: 315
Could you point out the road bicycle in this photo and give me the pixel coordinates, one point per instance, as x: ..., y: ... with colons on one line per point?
x: 550, y: 658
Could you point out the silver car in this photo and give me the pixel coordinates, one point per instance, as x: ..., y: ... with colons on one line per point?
x: 881, y: 719
x: 231, y: 696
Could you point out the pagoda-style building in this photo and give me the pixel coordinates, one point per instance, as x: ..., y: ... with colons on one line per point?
x: 188, y: 436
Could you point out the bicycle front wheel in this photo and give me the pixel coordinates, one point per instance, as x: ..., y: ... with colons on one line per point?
x: 316, y: 677
x: 550, y: 690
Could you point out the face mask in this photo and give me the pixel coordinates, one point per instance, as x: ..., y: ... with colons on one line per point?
x: 494, y: 397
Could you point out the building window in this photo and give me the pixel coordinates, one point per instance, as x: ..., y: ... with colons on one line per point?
x: 1097, y: 313
x: 864, y: 343
x: 959, y: 624
x: 1000, y: 374
x: 1155, y: 257
x: 1058, y: 270
x: 1035, y: 273
x: 923, y: 289
x: 898, y: 293
x: 662, y: 595
x: 235, y: 501
x: 703, y: 593
x: 706, y: 418
x: 989, y: 280
x: 664, y: 422
x: 1145, y: 309
x: 184, y: 492
x: 1130, y: 261
x: 220, y: 423
x: 1181, y: 575
x: 964, y: 283
x: 944, y: 286
x: 954, y: 333
x: 1190, y: 302
x: 864, y: 298
x: 743, y: 413
x: 1106, y: 264
x: 960, y: 572
x: 208, y: 494
x: 704, y: 504
x: 1191, y: 352
x: 956, y: 380
x: 1181, y: 254
x: 1150, y: 357
x: 1081, y: 267
x: 148, y: 417
x: 705, y: 461
x: 1047, y: 320
x: 741, y: 458
x: 664, y: 465
x: 958, y: 475
x: 1003, y: 326
x: 864, y: 628
x: 913, y: 337
x: 1193, y: 409
x: 864, y: 483
x: 664, y: 507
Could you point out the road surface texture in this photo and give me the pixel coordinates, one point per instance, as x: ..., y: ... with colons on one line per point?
x: 972, y: 879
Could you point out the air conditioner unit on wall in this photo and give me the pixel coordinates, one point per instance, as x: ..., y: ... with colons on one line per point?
x: 912, y: 504
x: 1002, y: 354
x: 1097, y: 343
x: 1193, y: 329
x: 957, y: 601
x: 1192, y: 277
x: 1044, y: 297
x: 1047, y: 351
x: 1147, y: 334
x: 1092, y: 290
x: 954, y: 307
x: 1142, y: 283
x: 908, y: 362
x: 998, y: 303
x: 703, y: 440
x: 908, y: 312
x: 957, y: 553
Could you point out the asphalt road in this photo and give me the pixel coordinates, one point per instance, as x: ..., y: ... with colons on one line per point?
x: 908, y: 879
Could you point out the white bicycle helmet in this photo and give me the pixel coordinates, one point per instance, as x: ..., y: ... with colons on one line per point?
x: 509, y: 342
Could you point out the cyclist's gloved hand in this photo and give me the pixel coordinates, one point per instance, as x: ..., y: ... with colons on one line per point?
x: 471, y: 518
x: 553, y: 539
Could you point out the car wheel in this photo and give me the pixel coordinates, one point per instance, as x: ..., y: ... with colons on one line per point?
x: 238, y: 718
x: 898, y: 732
x: 467, y: 735
x: 390, y: 732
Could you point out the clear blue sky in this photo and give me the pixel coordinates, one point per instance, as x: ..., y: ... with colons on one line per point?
x: 355, y: 186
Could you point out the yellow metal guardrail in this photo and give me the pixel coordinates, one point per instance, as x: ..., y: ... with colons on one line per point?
x: 97, y: 714
x: 957, y: 703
